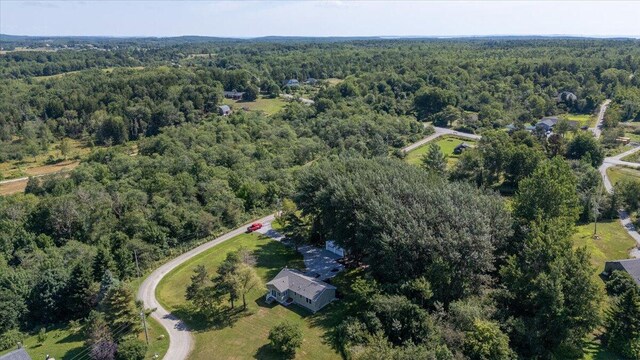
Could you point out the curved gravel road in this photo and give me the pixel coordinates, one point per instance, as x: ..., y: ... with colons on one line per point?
x: 180, y: 338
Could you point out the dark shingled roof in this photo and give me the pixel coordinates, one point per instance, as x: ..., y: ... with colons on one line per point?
x: 631, y: 266
x: 19, y: 354
x: 289, y: 279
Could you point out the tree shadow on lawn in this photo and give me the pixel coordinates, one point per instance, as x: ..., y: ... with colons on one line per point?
x: 71, y: 338
x: 197, y: 321
x: 273, y: 256
x: 266, y: 351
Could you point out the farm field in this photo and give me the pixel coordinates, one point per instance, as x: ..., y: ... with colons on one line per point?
x: 446, y: 143
x: 245, y: 334
x: 264, y: 104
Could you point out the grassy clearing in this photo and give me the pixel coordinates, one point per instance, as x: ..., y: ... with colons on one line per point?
x: 618, y: 173
x: 61, y: 343
x: 614, y: 243
x: 243, y: 335
x: 334, y: 81
x: 446, y: 143
x: 264, y: 104
x: 42, y: 163
x: 584, y: 120
x: 105, y: 70
x: 635, y: 157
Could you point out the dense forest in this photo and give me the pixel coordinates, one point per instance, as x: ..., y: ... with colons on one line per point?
x: 451, y: 270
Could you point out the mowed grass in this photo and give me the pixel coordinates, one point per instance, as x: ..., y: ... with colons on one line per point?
x: 446, y: 143
x: 617, y: 173
x: 244, y: 335
x: 264, y: 104
x: 61, y: 343
x: 635, y: 157
x: 584, y: 120
x: 614, y: 242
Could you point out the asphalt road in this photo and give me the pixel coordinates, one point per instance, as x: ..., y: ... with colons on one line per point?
x: 597, y: 131
x: 440, y: 132
x: 180, y: 338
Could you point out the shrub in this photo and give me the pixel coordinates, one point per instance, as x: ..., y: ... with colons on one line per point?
x: 131, y: 348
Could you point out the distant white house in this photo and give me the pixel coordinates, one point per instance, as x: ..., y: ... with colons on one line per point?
x: 330, y: 245
x: 292, y: 83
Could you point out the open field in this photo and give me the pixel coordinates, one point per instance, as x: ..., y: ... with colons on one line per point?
x: 105, y: 70
x: 446, y: 143
x: 632, y: 158
x: 267, y: 105
x: 30, y: 165
x: 243, y: 335
x: 618, y: 173
x: 333, y: 81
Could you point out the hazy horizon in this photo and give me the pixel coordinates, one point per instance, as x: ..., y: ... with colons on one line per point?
x: 250, y: 19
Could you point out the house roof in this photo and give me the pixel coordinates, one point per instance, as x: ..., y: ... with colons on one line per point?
x: 631, y: 266
x: 289, y: 279
x: 19, y: 354
x: 233, y: 92
x: 550, y: 121
x: 224, y: 108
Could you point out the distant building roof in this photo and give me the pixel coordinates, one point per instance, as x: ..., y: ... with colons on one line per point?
x: 224, y: 108
x: 19, y: 354
x: 289, y: 279
x: 292, y: 82
x: 233, y: 92
x: 549, y: 121
x: 631, y: 266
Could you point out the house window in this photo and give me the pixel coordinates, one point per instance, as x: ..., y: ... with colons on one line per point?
x: 308, y: 300
x: 273, y: 293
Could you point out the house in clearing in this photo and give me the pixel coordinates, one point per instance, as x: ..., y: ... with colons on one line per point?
x: 293, y: 286
x: 547, y: 123
x: 233, y: 94
x: 224, y: 110
x: 461, y: 148
x: 19, y: 354
x: 630, y: 266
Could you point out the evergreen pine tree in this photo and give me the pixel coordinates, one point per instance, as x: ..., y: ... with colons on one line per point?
x: 81, y: 291
x: 434, y: 160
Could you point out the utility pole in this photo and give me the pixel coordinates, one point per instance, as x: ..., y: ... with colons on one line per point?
x: 144, y: 324
x: 135, y: 254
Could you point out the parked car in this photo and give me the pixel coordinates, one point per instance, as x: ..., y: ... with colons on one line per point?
x: 253, y: 227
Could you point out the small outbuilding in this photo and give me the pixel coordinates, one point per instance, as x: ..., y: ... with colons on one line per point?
x: 293, y: 286
x: 224, y: 110
x: 461, y: 148
x: 630, y: 266
x: 19, y: 354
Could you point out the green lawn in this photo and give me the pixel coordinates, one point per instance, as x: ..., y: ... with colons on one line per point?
x: 446, y: 143
x: 584, y: 120
x: 635, y: 157
x: 61, y: 343
x: 614, y: 243
x: 618, y: 173
x: 158, y: 339
x: 265, y: 104
x: 243, y: 335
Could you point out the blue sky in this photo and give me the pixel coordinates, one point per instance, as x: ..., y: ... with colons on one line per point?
x: 320, y: 18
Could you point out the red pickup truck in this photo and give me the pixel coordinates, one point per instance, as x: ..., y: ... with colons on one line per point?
x: 253, y: 227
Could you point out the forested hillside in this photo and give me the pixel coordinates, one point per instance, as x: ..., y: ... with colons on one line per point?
x: 449, y: 265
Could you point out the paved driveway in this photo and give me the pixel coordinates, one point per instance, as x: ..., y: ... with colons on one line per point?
x: 320, y: 263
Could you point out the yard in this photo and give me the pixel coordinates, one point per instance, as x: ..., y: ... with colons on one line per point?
x: 265, y: 104
x: 446, y: 143
x: 584, y: 120
x: 243, y: 335
x: 64, y: 344
x: 614, y: 242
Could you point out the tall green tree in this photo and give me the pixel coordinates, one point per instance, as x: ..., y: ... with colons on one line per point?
x: 434, y: 160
